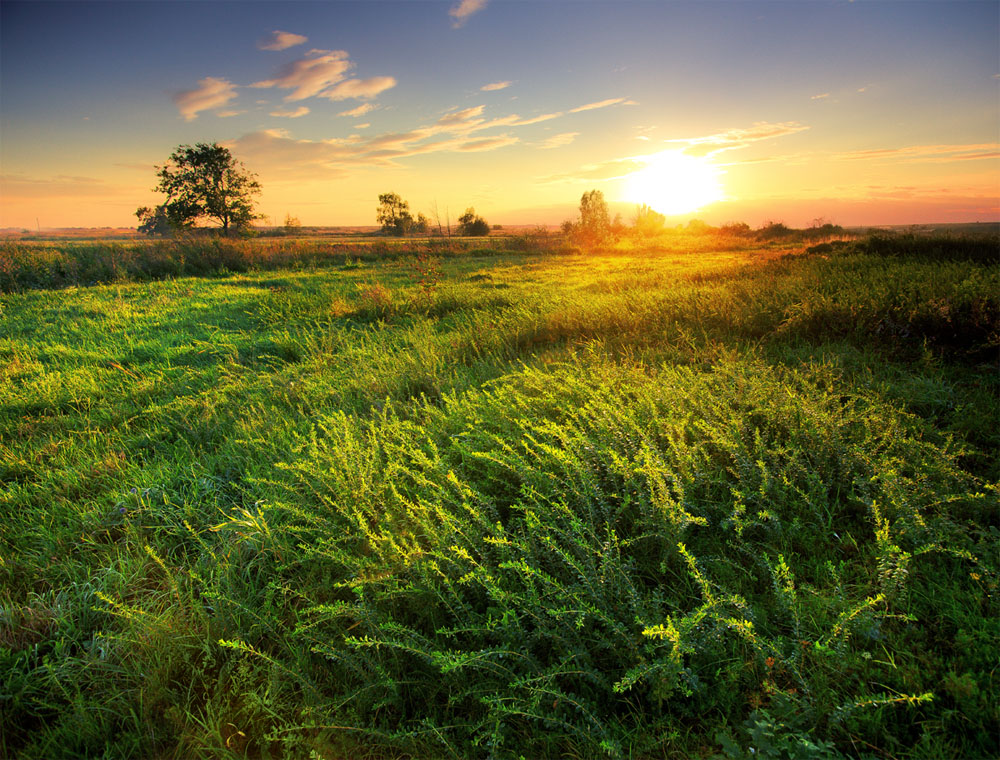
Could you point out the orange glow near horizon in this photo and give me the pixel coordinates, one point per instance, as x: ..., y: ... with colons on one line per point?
x: 673, y: 182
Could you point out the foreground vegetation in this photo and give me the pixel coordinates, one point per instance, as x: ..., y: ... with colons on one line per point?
x: 637, y: 504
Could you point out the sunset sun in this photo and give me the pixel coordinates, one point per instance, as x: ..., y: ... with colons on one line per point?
x: 673, y: 182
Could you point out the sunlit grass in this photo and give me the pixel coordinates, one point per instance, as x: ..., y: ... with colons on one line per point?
x: 637, y: 503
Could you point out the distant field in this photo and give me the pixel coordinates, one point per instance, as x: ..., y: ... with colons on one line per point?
x: 726, y: 499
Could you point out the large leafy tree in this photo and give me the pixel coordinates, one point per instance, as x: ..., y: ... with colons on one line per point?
x: 202, y: 182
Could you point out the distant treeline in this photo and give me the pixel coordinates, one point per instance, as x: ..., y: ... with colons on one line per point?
x: 26, y: 266
x: 33, y: 265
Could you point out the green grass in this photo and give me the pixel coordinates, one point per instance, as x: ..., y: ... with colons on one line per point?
x: 640, y: 504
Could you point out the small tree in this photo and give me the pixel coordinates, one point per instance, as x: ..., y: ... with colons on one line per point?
x: 595, y: 222
x: 203, y: 182
x: 292, y: 224
x: 156, y: 221
x: 471, y: 225
x: 393, y: 213
x: 647, y: 222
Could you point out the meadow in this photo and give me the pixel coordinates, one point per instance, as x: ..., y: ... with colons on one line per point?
x: 687, y: 498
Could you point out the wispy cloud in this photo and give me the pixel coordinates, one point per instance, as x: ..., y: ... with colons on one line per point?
x: 712, y: 144
x: 455, y: 131
x: 322, y: 74
x: 461, y: 11
x: 359, y: 111
x: 487, y: 143
x: 290, y: 113
x: 927, y: 153
x: 359, y: 88
x: 210, y: 93
x: 822, y: 96
x: 603, y: 171
x: 495, y: 86
x: 732, y: 139
x: 59, y: 186
x: 601, y: 104
x: 311, y: 75
x: 277, y: 40
x: 557, y: 141
x: 229, y: 113
x: 536, y: 119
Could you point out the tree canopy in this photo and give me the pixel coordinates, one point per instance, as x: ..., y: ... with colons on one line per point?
x: 393, y: 213
x: 202, y: 182
x: 472, y: 225
x: 595, y: 222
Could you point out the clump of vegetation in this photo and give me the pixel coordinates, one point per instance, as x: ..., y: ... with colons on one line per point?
x: 393, y: 214
x: 648, y: 223
x: 594, y: 227
x: 628, y: 505
x: 472, y: 225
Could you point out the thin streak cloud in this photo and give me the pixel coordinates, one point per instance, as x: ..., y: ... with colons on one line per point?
x: 598, y: 104
x: 557, y: 141
x: 291, y: 114
x: 927, y: 153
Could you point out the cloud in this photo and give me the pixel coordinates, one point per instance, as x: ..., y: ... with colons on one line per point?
x: 927, y: 153
x: 733, y: 139
x: 228, y: 114
x: 359, y: 111
x: 210, y: 93
x: 362, y: 126
x: 311, y: 75
x: 58, y: 186
x: 463, y: 9
x: 456, y: 131
x: 322, y: 74
x: 557, y: 141
x: 487, y: 143
x: 495, y: 86
x: 536, y: 119
x: 614, y: 168
x: 359, y: 88
x: 602, y: 104
x: 280, y: 41
x: 465, y: 115
x: 824, y: 95
x: 290, y: 114
x: 730, y: 139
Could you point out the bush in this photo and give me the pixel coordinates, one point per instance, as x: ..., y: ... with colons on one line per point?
x: 471, y: 225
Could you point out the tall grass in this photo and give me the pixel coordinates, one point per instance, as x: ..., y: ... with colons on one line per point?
x: 504, y: 505
x: 31, y: 265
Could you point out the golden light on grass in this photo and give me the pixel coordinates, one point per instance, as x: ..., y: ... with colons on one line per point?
x: 673, y: 182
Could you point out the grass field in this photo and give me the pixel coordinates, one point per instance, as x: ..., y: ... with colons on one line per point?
x: 656, y: 503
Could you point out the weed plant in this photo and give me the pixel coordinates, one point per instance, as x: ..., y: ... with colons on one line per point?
x: 633, y: 504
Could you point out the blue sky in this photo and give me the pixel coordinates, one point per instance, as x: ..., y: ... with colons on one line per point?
x: 802, y: 109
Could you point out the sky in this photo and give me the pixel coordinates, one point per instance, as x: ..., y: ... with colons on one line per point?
x: 853, y: 112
